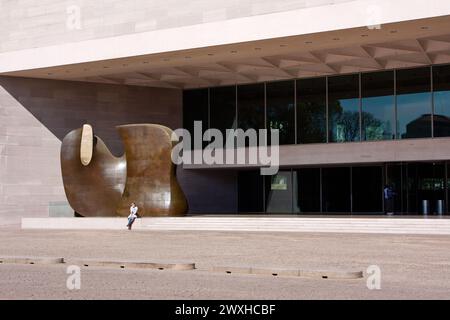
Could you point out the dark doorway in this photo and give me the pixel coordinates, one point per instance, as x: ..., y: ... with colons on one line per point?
x: 396, y: 179
x: 307, y: 190
x: 250, y: 191
x: 336, y: 190
x: 367, y: 189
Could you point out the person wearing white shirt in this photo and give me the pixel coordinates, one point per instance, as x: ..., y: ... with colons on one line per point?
x: 133, y: 215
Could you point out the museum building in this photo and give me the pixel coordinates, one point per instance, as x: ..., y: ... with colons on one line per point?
x: 359, y: 91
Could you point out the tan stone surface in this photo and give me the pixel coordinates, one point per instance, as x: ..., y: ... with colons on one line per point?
x: 27, y: 24
x: 319, y: 154
x: 412, y: 267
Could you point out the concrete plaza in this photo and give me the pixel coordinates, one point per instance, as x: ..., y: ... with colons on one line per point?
x: 412, y: 267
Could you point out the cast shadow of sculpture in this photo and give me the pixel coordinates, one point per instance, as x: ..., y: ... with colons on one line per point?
x: 99, y: 184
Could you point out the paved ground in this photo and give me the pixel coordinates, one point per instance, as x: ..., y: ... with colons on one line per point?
x: 413, y: 267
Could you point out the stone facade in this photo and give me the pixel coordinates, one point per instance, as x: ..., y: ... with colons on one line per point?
x: 26, y: 23
x: 36, y: 114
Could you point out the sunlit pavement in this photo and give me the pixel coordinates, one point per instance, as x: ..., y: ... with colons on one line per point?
x: 414, y: 267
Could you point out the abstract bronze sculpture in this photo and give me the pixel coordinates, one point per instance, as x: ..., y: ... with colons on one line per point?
x: 99, y: 184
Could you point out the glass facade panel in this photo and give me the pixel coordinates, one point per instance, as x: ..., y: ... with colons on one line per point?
x: 441, y: 92
x: 279, y: 192
x: 307, y: 190
x: 280, y: 109
x: 426, y: 187
x: 195, y: 108
x: 343, y: 108
x: 311, y: 110
x: 378, y: 105
x: 384, y: 116
x: 222, y: 102
x: 251, y: 106
x: 336, y: 190
x: 356, y: 190
x: 414, y: 103
x: 367, y: 186
x: 250, y: 191
x: 396, y: 179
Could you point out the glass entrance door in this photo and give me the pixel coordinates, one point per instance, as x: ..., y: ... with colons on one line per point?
x: 420, y: 187
x: 279, y: 192
x: 426, y: 188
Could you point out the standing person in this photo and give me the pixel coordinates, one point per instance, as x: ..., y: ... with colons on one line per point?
x: 133, y: 215
x: 388, y: 200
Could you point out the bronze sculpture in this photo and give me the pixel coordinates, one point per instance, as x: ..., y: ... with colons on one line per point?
x: 99, y: 184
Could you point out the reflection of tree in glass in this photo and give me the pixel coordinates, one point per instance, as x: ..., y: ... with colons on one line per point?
x: 250, y: 120
x: 345, y: 124
x: 313, y: 123
x: 374, y: 128
x: 281, y: 118
x: 280, y: 125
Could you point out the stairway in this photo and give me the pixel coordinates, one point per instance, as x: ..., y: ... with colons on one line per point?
x: 438, y: 226
x: 295, y: 224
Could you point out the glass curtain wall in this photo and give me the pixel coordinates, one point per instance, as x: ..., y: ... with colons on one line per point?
x: 195, y: 108
x: 441, y: 98
x: 395, y: 177
x: 279, y: 192
x: 343, y: 108
x: 223, y: 108
x: 385, y: 105
x: 378, y: 105
x: 250, y: 191
x: 419, y: 188
x: 250, y: 101
x: 280, y: 99
x: 367, y: 187
x: 336, y: 190
x: 307, y: 190
x: 311, y: 110
x: 414, y: 103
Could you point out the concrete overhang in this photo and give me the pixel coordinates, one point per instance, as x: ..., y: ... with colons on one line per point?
x: 331, y: 39
x: 350, y: 153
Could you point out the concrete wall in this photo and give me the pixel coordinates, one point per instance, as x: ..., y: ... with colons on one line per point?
x: 331, y: 154
x: 36, y: 114
x: 210, y: 191
x: 42, y: 34
x: 28, y: 23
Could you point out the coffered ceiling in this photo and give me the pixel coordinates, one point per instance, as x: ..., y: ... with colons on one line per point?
x: 400, y: 45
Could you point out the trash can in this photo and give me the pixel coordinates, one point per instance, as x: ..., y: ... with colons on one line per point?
x: 439, y: 207
x: 425, y: 207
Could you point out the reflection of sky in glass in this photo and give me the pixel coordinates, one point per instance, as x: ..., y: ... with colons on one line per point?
x: 442, y: 113
x: 382, y: 109
x: 351, y: 105
x: 410, y: 107
x: 442, y: 103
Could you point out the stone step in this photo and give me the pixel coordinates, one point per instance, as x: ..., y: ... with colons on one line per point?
x: 299, y: 224
x: 252, y: 224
